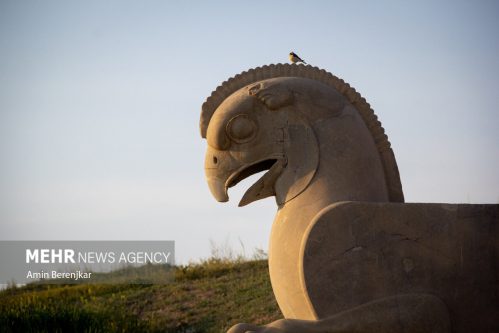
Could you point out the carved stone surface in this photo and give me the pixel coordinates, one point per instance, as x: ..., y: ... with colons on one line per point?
x: 341, y: 257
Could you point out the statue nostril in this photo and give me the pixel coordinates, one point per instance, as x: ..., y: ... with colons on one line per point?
x: 215, y: 160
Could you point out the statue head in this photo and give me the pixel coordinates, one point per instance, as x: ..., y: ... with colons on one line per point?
x: 264, y: 119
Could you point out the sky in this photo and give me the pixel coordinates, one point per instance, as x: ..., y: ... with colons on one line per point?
x: 100, y: 104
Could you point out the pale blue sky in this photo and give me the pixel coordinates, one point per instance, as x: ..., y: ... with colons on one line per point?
x: 100, y: 101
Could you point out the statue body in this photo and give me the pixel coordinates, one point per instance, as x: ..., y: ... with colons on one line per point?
x: 348, y: 169
x: 345, y: 254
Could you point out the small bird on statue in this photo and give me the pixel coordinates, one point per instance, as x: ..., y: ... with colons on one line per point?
x: 294, y: 58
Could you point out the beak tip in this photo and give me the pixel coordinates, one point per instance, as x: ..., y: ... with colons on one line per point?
x: 218, y: 190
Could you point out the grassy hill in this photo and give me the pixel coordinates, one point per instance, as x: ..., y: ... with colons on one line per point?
x: 207, y: 297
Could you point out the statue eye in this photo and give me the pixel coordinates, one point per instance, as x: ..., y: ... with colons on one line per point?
x: 241, y: 128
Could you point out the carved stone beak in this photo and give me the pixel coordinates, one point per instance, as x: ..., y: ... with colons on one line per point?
x: 223, y: 171
x: 218, y: 189
x: 220, y: 180
x: 218, y: 166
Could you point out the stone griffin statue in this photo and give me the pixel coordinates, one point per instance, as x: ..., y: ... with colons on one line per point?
x: 346, y: 253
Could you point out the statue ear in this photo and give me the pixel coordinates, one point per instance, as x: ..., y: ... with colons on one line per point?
x: 273, y: 95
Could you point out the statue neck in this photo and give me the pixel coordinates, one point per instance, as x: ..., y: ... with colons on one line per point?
x: 348, y: 169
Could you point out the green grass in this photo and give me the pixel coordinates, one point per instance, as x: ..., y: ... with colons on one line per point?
x: 206, y: 297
